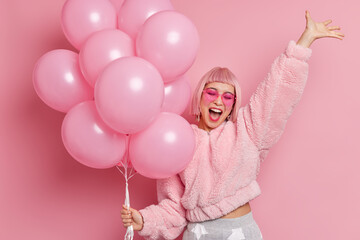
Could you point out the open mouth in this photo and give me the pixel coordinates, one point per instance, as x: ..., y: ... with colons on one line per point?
x: 214, y: 114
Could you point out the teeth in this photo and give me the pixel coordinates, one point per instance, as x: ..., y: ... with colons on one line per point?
x: 216, y: 110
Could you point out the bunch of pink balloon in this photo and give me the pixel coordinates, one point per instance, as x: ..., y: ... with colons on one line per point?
x: 125, y: 89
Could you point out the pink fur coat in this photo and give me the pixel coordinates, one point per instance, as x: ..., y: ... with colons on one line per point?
x: 222, y: 174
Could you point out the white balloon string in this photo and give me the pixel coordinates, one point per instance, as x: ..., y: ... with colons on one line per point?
x: 131, y: 170
x: 120, y: 170
x: 132, y: 176
x: 129, y: 235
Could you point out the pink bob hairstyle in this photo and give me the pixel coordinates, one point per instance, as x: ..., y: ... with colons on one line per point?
x: 217, y: 74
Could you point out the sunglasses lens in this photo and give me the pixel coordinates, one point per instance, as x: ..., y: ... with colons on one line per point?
x: 228, y: 99
x: 211, y: 95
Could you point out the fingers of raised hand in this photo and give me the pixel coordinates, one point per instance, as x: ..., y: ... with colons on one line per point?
x: 335, y: 34
x: 320, y: 29
x: 325, y: 31
x: 334, y: 28
x: 338, y: 35
x: 327, y: 22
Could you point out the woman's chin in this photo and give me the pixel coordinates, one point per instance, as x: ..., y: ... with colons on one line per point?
x: 214, y: 124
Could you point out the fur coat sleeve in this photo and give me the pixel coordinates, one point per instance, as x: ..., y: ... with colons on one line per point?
x: 276, y: 96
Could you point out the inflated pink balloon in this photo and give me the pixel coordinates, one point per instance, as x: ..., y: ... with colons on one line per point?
x: 133, y: 13
x: 164, y: 148
x: 170, y: 41
x: 81, y: 18
x: 58, y: 80
x: 177, y: 95
x: 89, y: 140
x: 129, y: 94
x: 100, y: 49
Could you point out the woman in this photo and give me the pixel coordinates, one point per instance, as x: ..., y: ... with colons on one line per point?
x: 211, y: 196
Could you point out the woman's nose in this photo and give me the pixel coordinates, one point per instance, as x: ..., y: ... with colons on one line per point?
x: 218, y: 100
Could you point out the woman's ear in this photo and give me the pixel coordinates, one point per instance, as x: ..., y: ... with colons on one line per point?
x: 229, y: 116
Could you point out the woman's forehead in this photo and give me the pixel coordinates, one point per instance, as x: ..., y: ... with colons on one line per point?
x: 221, y: 87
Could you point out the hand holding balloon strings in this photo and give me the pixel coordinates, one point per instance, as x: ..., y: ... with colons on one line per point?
x: 132, y: 218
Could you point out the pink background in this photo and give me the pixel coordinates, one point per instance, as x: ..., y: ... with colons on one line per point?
x: 310, y: 179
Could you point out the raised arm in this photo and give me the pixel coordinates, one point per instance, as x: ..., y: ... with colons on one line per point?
x: 275, y: 98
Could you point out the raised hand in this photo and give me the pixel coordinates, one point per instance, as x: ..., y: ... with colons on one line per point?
x: 315, y: 30
x: 132, y: 217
